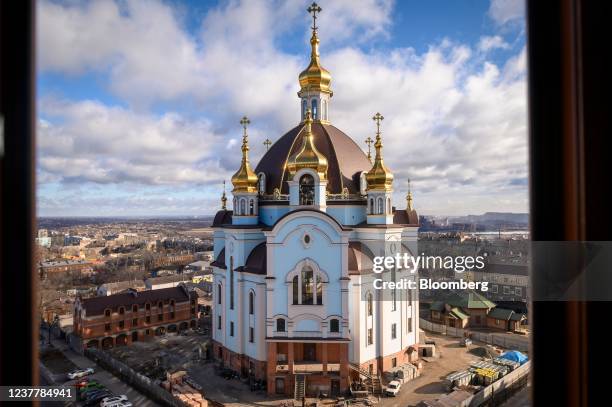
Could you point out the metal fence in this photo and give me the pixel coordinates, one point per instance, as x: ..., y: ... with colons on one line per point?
x: 519, y: 343
x: 140, y: 382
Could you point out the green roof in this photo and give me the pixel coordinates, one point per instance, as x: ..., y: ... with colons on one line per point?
x: 458, y: 313
x: 501, y: 313
x: 470, y: 300
x: 437, y: 306
x: 518, y: 317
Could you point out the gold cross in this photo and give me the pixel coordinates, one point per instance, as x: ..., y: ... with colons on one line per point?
x: 378, y: 118
x: 245, y: 122
x: 267, y: 143
x: 314, y: 9
x: 369, y: 141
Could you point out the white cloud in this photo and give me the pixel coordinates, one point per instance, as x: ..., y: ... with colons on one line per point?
x: 488, y: 43
x: 454, y: 124
x: 506, y: 11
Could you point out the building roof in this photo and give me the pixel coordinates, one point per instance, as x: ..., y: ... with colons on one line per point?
x: 256, y: 262
x: 123, y: 285
x: 220, y: 260
x: 469, y: 300
x: 457, y: 313
x: 59, y: 263
x: 97, y: 305
x: 512, y: 269
x: 222, y: 217
x: 500, y: 313
x: 406, y: 217
x: 174, y: 278
x: 346, y: 160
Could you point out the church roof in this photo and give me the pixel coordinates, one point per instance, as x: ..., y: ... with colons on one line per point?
x: 220, y: 260
x: 256, y: 263
x: 345, y: 158
x: 406, y: 217
x: 222, y: 217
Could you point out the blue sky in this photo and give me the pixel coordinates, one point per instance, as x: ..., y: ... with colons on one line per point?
x: 139, y: 101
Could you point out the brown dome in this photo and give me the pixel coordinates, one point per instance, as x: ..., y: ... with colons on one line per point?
x: 345, y: 159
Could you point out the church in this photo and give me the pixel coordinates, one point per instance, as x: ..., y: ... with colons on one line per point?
x: 293, y: 300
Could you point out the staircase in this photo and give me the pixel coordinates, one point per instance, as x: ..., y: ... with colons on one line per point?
x: 300, y: 387
x: 373, y: 383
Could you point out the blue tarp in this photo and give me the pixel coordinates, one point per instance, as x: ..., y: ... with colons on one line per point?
x: 515, y: 356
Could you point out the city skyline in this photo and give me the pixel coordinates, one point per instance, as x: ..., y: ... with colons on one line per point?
x: 141, y: 119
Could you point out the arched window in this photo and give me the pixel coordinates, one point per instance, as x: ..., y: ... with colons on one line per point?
x: 135, y: 308
x: 296, y: 290
x: 371, y: 209
x: 148, y: 306
x: 121, y: 310
x: 370, y: 304
x: 280, y: 325
x: 307, y: 286
x: 219, y: 289
x: 315, y: 110
x: 251, y: 303
x: 251, y: 207
x: 107, y: 313
x: 262, y: 183
x: 160, y: 305
x: 380, y: 206
x: 304, y: 108
x: 242, y: 207
x: 334, y: 325
x: 307, y: 190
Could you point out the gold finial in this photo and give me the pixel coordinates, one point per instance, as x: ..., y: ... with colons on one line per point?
x: 409, y: 197
x: 244, y: 180
x: 315, y: 77
x: 369, y: 142
x: 223, y: 198
x: 267, y: 143
x: 308, y: 156
x: 379, y: 177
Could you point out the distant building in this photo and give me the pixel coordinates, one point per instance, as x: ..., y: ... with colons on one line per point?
x: 156, y: 283
x: 462, y: 310
x: 507, y: 282
x: 120, y: 319
x: 120, y: 286
x: 47, y: 268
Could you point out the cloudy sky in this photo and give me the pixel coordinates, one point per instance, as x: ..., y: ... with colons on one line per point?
x: 139, y: 102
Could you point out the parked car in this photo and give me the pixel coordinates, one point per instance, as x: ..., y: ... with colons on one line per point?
x: 393, y: 388
x: 84, y: 382
x: 113, y: 400
x: 466, y: 342
x: 118, y: 404
x: 95, y: 398
x: 94, y: 391
x: 75, y: 374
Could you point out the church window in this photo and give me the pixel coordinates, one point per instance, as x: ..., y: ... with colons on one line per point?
x: 280, y: 325
x: 319, y: 290
x: 251, y: 207
x: 307, y: 190
x: 370, y: 304
x: 370, y: 336
x: 219, y: 293
x: 304, y: 108
x: 315, y: 111
x: 242, y: 207
x: 307, y: 286
x: 262, y: 184
x: 296, y: 290
x: 334, y: 325
x: 251, y: 303
x: 371, y: 206
x: 380, y: 206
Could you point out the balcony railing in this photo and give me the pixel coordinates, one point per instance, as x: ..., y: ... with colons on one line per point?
x: 307, y: 367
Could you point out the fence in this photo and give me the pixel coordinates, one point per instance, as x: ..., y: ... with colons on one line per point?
x: 133, y: 378
x: 519, y: 343
x: 500, y: 390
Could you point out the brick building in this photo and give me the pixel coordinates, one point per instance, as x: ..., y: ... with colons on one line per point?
x: 121, y: 319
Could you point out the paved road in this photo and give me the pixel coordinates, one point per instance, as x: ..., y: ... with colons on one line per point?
x: 102, y: 376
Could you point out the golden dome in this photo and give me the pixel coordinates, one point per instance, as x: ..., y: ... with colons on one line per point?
x: 308, y: 156
x: 315, y: 77
x: 379, y: 177
x: 244, y: 180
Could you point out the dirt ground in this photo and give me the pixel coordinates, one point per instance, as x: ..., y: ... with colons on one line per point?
x: 430, y: 385
x: 55, y: 361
